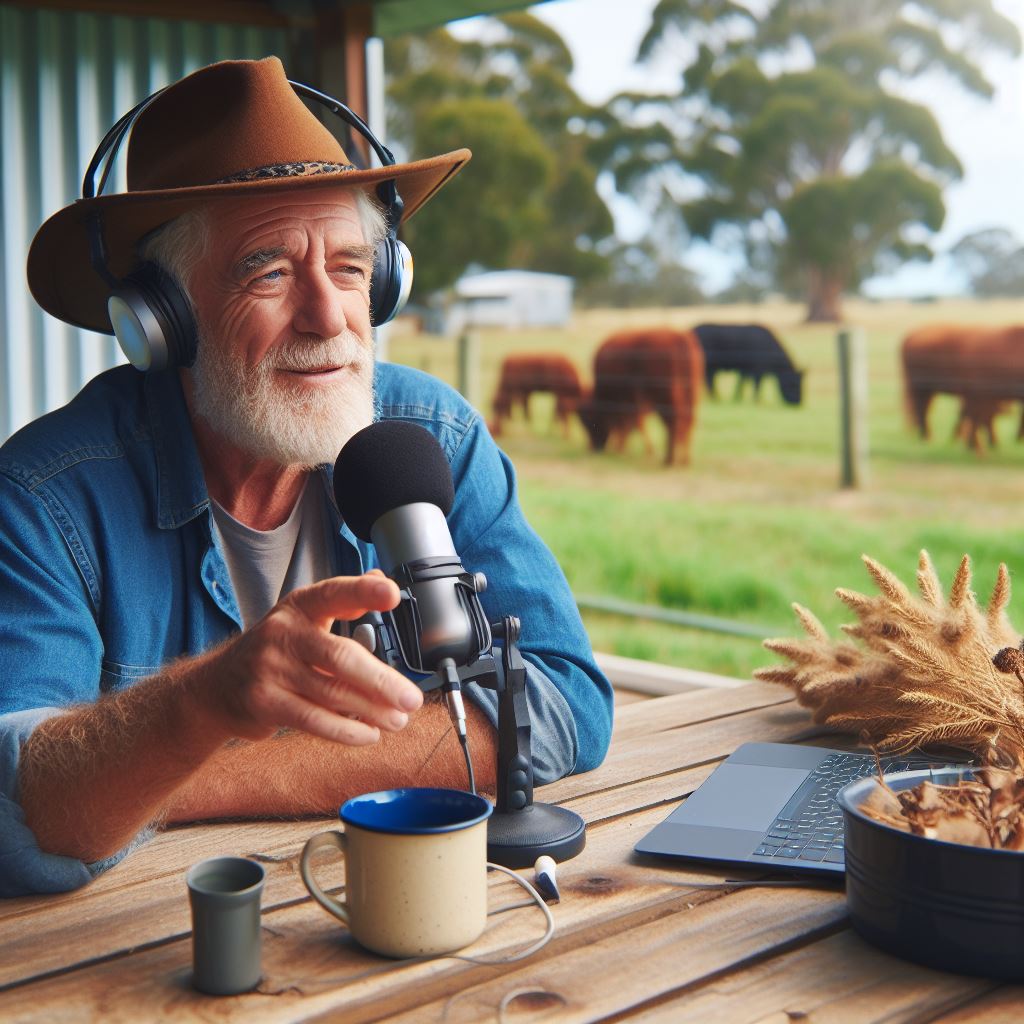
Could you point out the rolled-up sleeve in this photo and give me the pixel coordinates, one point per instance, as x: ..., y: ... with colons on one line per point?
x: 554, y: 743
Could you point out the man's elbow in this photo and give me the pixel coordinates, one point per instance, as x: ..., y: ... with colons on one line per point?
x: 594, y: 736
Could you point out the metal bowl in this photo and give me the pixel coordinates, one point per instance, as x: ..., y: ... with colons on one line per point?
x: 958, y: 908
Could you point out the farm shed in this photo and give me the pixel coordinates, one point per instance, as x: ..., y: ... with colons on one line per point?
x: 510, y: 298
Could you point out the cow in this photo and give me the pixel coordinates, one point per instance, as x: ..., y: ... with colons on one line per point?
x: 754, y: 352
x: 522, y: 375
x: 984, y: 366
x: 637, y: 372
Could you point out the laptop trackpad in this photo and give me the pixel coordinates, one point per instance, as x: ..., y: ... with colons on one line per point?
x: 740, y: 796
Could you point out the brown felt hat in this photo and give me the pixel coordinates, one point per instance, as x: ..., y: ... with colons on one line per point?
x: 231, y: 129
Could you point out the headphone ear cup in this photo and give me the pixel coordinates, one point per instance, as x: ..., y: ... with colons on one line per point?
x: 391, y: 281
x: 152, y: 320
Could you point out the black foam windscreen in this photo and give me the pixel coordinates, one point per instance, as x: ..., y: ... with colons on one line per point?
x: 386, y: 465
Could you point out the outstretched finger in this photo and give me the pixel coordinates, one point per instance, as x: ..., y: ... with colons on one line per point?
x: 345, y: 597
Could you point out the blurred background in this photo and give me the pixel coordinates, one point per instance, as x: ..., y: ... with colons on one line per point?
x: 840, y: 173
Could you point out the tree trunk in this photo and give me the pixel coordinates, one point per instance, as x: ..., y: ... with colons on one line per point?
x: 824, y: 296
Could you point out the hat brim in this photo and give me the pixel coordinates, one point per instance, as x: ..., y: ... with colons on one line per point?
x: 64, y: 282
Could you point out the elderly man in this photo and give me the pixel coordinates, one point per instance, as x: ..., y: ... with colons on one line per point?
x: 171, y: 557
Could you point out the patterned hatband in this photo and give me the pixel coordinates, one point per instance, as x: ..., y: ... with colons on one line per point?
x: 293, y: 170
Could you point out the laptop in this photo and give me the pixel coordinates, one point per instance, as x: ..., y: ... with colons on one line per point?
x: 770, y: 805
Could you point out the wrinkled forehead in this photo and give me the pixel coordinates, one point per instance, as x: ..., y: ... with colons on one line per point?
x: 240, y: 212
x: 328, y: 215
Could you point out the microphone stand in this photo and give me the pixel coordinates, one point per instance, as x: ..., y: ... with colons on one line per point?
x: 519, y: 830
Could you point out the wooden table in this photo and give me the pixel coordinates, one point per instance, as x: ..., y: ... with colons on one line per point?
x: 632, y: 940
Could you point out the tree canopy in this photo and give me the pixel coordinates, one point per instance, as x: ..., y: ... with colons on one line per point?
x: 796, y: 129
x: 529, y: 197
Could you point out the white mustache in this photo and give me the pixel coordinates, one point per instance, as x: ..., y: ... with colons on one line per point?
x: 318, y: 353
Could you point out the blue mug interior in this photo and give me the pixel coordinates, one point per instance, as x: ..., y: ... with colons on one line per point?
x: 415, y: 811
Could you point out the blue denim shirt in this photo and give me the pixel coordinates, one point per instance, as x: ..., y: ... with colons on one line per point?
x: 110, y: 567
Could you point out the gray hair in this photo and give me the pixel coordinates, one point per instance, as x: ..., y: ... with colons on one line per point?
x: 180, y: 245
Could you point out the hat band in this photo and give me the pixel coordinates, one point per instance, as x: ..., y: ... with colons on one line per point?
x: 292, y: 170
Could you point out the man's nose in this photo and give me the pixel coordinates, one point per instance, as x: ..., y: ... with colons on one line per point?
x: 318, y: 308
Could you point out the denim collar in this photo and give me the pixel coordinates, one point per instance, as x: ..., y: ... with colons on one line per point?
x: 181, y: 493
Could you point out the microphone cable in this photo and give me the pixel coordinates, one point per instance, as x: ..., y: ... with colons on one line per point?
x: 464, y: 741
x: 448, y: 671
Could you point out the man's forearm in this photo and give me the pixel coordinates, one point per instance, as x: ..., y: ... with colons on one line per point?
x: 295, y: 774
x: 90, y: 779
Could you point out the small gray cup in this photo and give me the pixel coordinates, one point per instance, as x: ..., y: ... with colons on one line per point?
x: 225, y: 896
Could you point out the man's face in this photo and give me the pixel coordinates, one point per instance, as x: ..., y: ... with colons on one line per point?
x: 284, y: 368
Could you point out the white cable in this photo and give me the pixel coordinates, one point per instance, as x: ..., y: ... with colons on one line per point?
x: 530, y: 950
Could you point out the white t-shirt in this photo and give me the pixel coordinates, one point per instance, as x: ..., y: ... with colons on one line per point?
x: 265, y: 565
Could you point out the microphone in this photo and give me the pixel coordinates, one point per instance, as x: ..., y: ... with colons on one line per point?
x: 394, y: 488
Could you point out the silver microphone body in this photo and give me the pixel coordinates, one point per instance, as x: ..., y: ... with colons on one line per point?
x: 409, y: 533
x: 416, y: 533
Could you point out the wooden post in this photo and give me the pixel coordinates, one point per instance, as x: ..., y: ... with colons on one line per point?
x: 468, y: 359
x: 853, y: 407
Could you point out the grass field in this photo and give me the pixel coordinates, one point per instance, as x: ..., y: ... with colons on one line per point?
x: 758, y: 520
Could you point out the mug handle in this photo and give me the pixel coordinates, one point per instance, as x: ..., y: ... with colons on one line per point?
x: 334, y: 840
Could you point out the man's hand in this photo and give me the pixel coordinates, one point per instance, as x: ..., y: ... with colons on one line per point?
x: 290, y: 671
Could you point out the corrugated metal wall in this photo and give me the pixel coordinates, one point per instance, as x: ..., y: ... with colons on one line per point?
x: 64, y: 79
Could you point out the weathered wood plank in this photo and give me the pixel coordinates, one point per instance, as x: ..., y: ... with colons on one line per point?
x: 998, y: 1007
x: 649, y: 716
x: 657, y: 680
x: 623, y: 697
x: 839, y: 978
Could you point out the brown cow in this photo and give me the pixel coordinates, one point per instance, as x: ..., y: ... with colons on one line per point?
x: 637, y: 372
x: 983, y: 365
x: 522, y: 375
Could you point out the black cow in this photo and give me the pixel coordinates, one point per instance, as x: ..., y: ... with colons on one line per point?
x: 754, y: 352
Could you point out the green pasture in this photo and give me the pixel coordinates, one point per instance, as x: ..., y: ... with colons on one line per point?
x: 758, y: 520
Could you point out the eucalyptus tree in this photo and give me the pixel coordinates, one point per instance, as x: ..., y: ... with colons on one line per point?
x: 795, y: 129
x: 529, y: 197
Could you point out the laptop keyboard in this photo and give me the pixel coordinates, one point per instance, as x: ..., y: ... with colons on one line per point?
x: 810, y: 826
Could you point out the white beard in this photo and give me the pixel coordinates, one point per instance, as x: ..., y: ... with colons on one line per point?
x: 292, y: 426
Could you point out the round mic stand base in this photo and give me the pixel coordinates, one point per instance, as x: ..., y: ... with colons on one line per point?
x: 517, y: 838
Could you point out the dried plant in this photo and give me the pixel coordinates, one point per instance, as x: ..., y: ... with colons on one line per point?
x: 915, y: 670
x: 986, y: 811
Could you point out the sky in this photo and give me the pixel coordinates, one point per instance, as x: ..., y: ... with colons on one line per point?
x: 986, y: 135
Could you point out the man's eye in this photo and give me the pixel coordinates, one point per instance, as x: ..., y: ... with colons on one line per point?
x: 271, y: 275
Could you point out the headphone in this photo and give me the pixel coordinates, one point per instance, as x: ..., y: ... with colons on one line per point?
x: 150, y: 314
